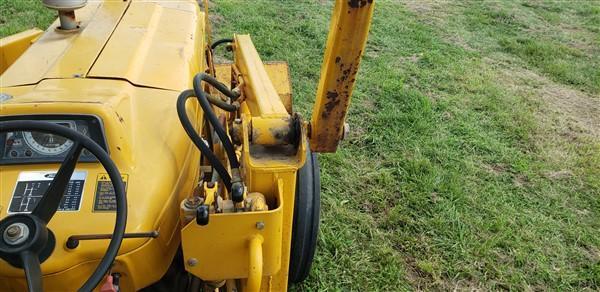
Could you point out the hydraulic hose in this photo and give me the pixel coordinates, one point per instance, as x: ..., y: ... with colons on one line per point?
x: 216, y: 84
x: 237, y: 187
x: 214, y: 121
x: 191, y: 132
x: 220, y: 42
x: 222, y: 104
x: 209, y: 136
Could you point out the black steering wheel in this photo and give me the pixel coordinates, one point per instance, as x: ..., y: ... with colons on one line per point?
x: 26, y: 241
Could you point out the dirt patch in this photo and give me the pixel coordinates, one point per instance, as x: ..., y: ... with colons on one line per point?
x: 579, y: 112
x: 215, y: 19
x: 495, y: 169
x: 422, y: 7
x: 558, y: 175
x: 579, y: 38
x: 520, y: 181
x: 423, y: 281
x: 414, y: 58
x: 438, y: 14
x: 593, y: 253
x: 418, y: 279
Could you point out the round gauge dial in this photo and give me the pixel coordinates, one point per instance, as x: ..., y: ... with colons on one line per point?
x: 48, y: 144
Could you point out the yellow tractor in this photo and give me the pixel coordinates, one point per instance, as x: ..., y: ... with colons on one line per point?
x: 130, y: 160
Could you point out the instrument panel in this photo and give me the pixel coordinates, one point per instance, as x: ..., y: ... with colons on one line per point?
x: 37, y: 147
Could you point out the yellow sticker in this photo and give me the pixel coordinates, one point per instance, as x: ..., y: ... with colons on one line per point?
x: 105, y: 199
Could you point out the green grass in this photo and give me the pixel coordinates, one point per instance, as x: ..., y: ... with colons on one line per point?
x: 19, y: 15
x: 474, y: 156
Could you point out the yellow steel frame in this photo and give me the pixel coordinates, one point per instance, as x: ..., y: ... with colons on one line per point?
x: 12, y: 47
x: 346, y: 42
x: 254, y: 246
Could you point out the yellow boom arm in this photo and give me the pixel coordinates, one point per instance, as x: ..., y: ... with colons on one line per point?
x: 348, y: 33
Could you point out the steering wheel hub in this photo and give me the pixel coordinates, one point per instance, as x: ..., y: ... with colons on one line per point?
x: 16, y: 233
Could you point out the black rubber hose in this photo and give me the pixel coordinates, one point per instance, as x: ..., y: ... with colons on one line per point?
x: 220, y: 42
x: 191, y: 132
x: 216, y: 84
x: 201, y: 96
x: 221, y: 104
x: 237, y: 186
x: 209, y: 136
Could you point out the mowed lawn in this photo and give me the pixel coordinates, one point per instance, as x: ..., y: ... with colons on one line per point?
x: 473, y: 161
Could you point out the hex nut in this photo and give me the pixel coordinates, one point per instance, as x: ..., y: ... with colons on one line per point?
x: 16, y: 233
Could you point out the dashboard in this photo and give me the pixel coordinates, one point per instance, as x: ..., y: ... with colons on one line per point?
x: 36, y: 147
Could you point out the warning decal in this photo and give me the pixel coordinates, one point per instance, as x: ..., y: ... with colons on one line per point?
x: 105, y: 199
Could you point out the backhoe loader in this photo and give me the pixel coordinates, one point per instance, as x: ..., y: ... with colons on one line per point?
x: 131, y: 161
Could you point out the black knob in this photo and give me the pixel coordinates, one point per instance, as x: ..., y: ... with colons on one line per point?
x: 202, y: 215
x: 237, y: 192
x: 72, y: 243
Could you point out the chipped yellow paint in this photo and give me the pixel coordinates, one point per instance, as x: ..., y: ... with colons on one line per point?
x: 346, y: 42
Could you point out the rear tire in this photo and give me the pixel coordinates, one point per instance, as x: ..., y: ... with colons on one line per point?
x: 306, y: 219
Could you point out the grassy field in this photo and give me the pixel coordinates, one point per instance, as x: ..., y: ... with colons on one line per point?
x: 474, y: 157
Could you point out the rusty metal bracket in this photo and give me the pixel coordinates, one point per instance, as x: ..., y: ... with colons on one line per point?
x: 346, y: 42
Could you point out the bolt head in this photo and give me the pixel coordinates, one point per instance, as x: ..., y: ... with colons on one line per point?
x: 192, y: 262
x: 13, y: 231
x: 346, y: 131
x: 260, y: 225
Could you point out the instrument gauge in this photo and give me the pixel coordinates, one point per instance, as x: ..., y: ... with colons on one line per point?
x: 48, y: 144
x: 27, y: 147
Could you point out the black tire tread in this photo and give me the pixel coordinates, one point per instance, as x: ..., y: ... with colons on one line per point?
x: 306, y: 219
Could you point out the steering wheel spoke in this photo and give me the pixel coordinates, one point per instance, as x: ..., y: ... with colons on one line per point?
x: 50, y: 202
x: 33, y: 271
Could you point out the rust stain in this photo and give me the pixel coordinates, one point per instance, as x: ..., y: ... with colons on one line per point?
x: 338, y: 96
x: 121, y: 119
x: 333, y: 99
x: 255, y: 134
x: 281, y: 134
